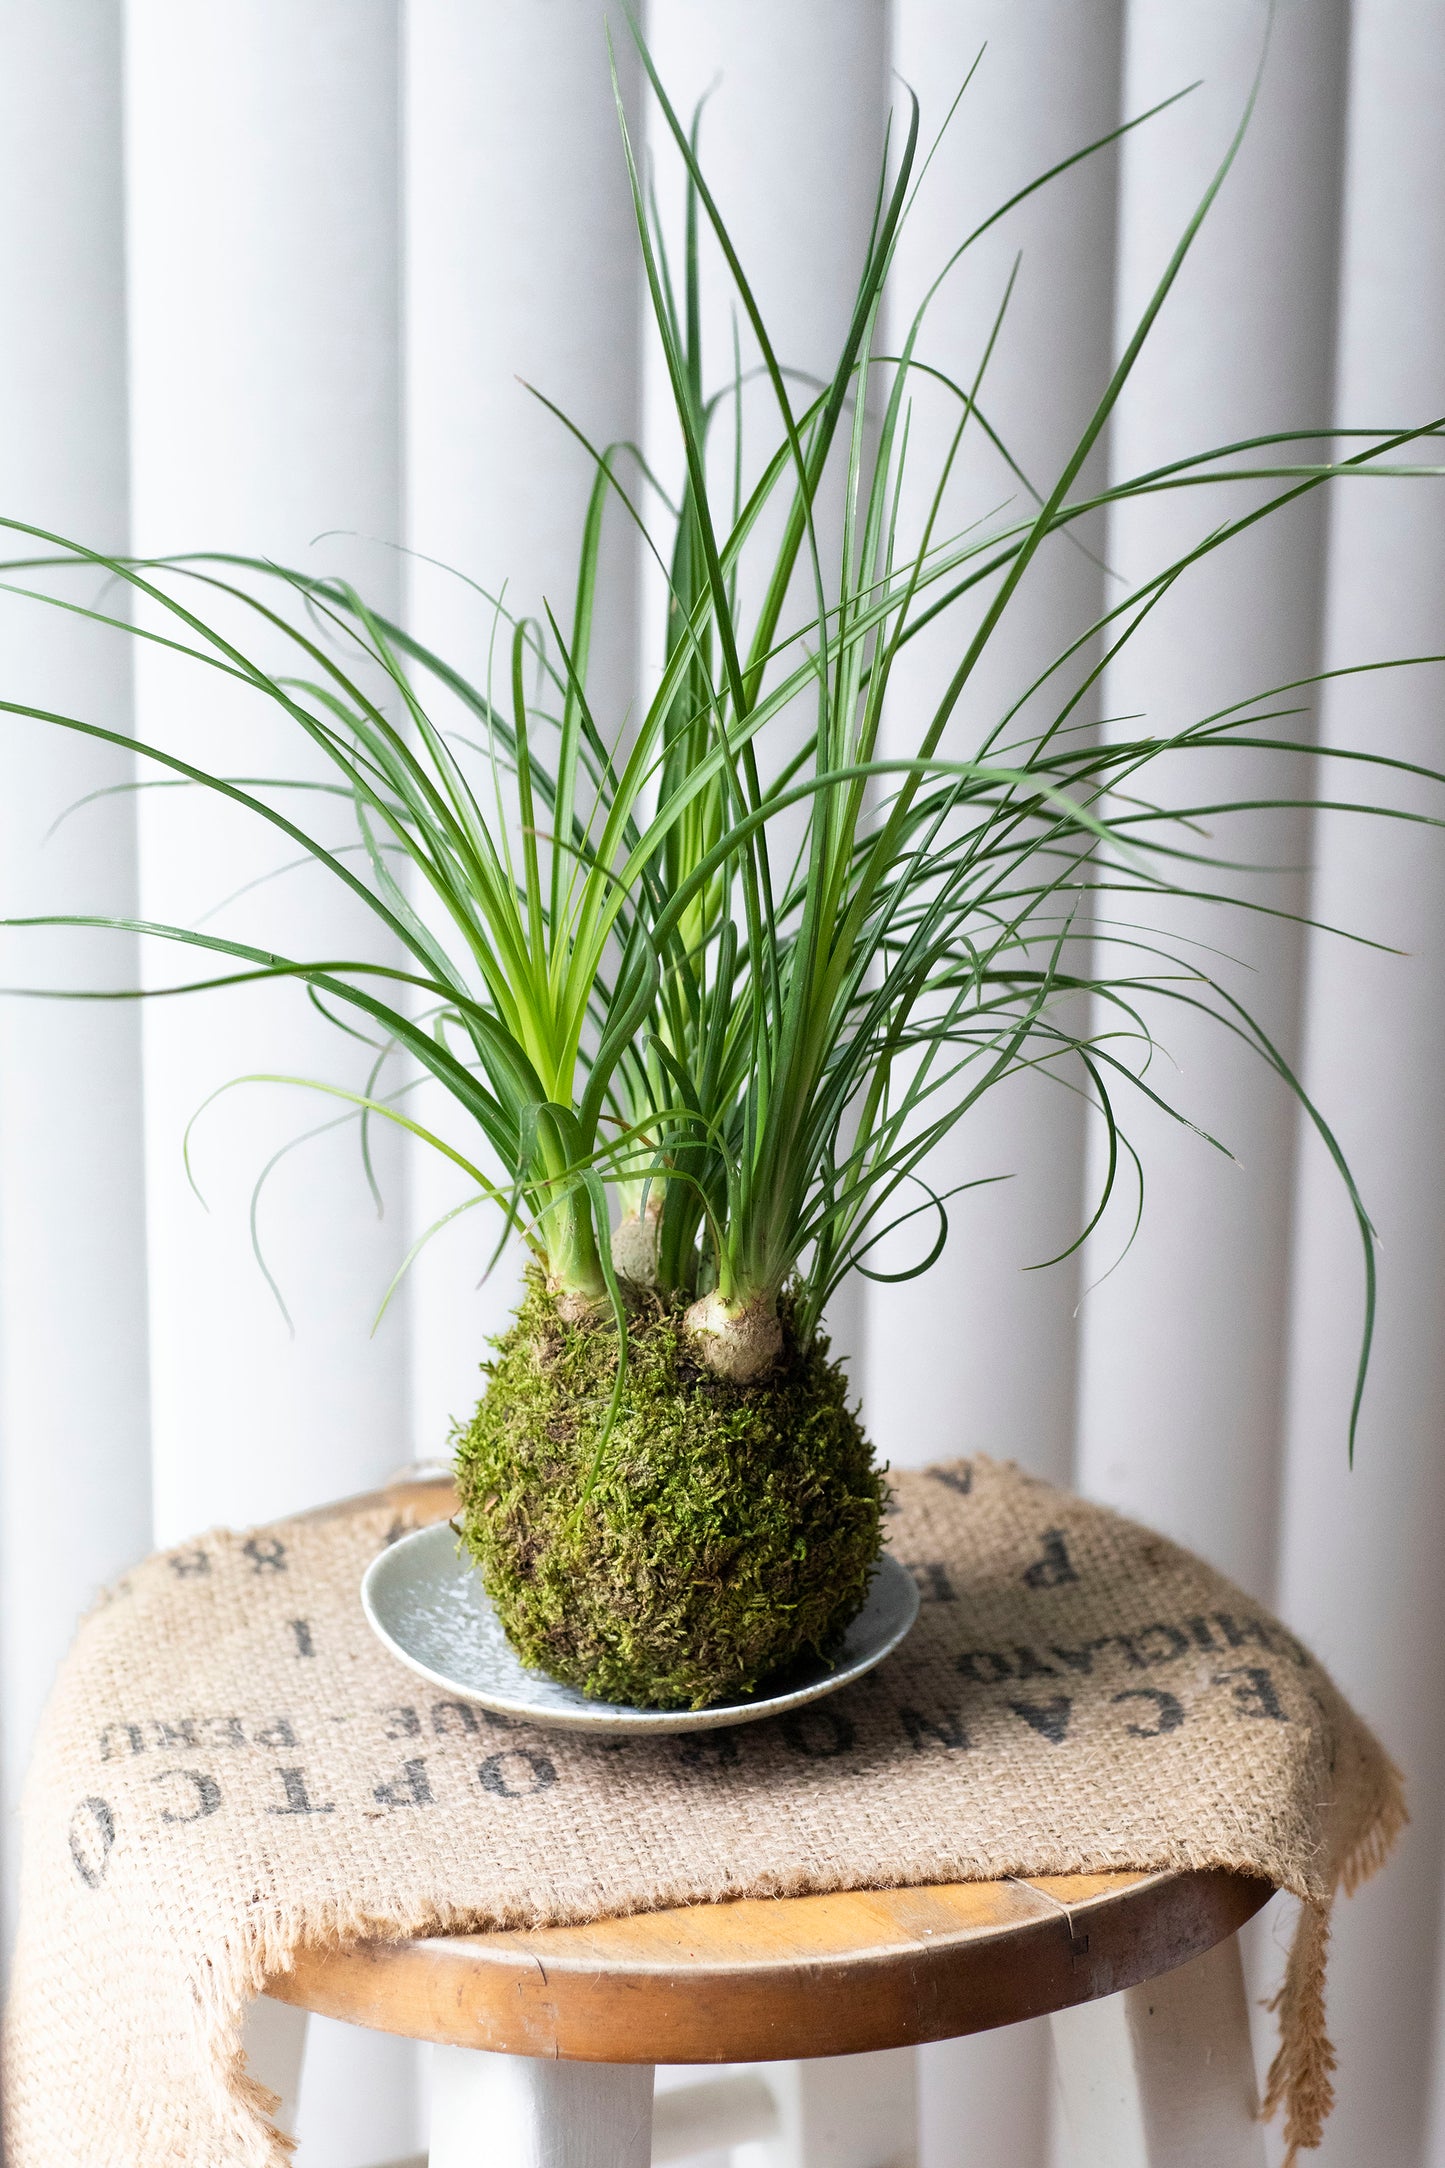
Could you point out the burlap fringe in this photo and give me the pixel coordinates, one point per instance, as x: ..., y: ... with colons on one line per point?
x: 262, y: 2102
x: 1300, y: 2077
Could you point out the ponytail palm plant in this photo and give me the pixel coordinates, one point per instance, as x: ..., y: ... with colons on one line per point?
x: 708, y: 984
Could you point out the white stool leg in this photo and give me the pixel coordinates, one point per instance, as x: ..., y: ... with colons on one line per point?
x: 841, y: 2111
x: 712, y: 2115
x: 275, y: 2044
x: 1162, y: 2076
x: 519, y: 2111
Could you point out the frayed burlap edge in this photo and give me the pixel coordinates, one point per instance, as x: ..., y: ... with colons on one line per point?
x: 1300, y: 2079
x: 1299, y: 2084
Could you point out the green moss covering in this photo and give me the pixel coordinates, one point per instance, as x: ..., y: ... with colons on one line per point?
x: 729, y: 1531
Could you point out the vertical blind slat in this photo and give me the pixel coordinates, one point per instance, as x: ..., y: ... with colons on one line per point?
x: 791, y: 142
x: 1360, y: 1575
x: 74, y: 1474
x: 990, y: 1346
x: 520, y: 270
x: 262, y: 203
x: 1045, y: 86
x: 1182, y: 1343
x: 264, y: 414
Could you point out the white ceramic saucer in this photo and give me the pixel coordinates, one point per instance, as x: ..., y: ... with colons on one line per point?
x: 428, y: 1605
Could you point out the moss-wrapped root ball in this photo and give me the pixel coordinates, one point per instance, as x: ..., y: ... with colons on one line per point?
x: 728, y: 1529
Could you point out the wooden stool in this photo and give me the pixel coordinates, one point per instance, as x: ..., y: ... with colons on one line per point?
x: 547, y: 2038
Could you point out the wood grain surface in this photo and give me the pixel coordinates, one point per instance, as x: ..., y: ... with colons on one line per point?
x: 781, y: 1977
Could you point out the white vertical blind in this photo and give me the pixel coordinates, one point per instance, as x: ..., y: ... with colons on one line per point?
x: 1001, y: 1338
x: 1047, y: 84
x: 520, y: 272
x: 1181, y: 1373
x: 262, y: 195
x: 74, y: 1472
x: 262, y: 222
x: 1182, y: 1355
x: 339, y: 231
x: 792, y: 141
x: 1359, y: 1573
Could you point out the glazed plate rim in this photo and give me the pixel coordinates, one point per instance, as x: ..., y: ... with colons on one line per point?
x: 891, y: 1581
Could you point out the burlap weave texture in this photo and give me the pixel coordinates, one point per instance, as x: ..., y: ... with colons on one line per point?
x: 231, y: 1766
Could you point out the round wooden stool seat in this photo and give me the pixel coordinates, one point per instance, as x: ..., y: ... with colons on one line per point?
x: 782, y: 1978
x: 1141, y: 1973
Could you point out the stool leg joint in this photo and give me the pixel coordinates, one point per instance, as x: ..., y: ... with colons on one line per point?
x: 1162, y: 2075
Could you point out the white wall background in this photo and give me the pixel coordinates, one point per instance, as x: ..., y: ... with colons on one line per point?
x: 272, y: 271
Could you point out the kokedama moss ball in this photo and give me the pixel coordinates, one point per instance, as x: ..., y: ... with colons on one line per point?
x: 728, y: 1529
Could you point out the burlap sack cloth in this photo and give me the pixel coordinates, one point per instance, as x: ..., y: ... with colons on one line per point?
x: 232, y: 1766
